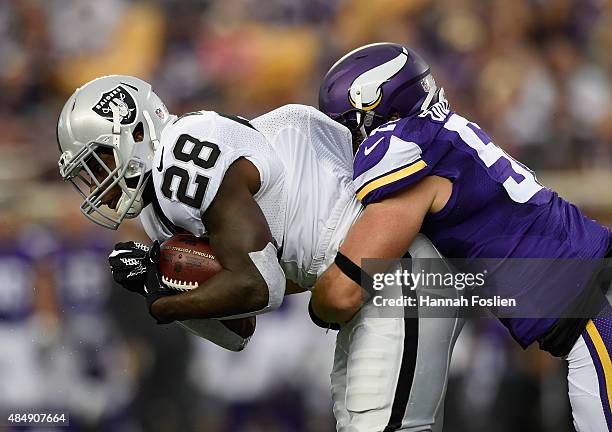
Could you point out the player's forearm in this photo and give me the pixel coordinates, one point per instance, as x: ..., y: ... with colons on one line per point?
x: 333, y: 312
x: 226, y: 294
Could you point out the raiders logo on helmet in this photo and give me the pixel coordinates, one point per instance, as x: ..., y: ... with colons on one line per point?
x: 123, y: 99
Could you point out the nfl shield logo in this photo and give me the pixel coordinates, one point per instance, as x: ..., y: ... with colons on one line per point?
x: 124, y: 101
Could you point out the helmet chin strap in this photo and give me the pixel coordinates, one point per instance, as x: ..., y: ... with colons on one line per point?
x: 151, y: 126
x: 124, y: 207
x: 116, y: 124
x: 116, y: 128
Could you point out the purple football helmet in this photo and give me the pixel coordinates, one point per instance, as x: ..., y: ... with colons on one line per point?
x: 367, y: 85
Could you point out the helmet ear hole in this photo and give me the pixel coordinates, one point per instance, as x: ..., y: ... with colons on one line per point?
x: 138, y: 133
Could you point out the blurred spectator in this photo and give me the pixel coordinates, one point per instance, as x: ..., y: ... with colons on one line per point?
x: 116, y: 37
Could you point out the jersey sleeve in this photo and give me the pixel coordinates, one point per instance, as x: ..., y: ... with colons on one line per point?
x: 394, y: 156
x: 195, y: 154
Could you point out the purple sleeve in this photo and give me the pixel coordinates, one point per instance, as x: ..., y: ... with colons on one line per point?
x: 399, y: 155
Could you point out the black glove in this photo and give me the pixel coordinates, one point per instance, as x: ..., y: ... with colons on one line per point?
x: 318, y: 321
x: 128, y: 265
x: 135, y: 266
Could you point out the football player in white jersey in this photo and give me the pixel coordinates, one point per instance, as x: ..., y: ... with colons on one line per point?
x: 275, y: 197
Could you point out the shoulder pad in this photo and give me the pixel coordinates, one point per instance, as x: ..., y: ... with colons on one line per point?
x: 395, y: 155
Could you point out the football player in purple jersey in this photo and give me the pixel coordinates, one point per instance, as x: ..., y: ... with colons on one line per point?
x: 423, y: 168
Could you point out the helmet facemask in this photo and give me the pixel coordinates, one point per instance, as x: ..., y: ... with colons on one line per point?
x: 97, y: 181
x: 107, y: 133
x: 359, y: 122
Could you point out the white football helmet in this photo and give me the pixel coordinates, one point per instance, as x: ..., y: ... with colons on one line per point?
x: 104, y: 116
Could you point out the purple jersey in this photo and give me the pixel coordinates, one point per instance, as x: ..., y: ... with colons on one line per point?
x: 497, y: 208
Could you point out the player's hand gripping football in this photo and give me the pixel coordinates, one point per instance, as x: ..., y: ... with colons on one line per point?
x: 135, y: 266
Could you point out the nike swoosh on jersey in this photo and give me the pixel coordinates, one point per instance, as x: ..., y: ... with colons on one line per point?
x: 161, y: 161
x: 368, y: 150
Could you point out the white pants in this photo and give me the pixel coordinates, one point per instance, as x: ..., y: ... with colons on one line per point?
x: 589, y: 378
x: 390, y: 374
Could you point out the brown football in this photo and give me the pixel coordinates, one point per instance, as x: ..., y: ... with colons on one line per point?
x: 185, y: 261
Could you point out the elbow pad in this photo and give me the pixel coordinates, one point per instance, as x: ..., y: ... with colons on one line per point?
x: 268, y: 266
x: 216, y: 332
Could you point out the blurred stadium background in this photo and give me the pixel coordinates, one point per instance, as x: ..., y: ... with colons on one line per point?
x: 534, y: 73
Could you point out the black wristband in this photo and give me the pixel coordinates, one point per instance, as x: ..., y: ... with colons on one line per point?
x: 318, y: 321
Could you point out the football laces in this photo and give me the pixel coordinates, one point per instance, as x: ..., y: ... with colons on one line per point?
x: 179, y: 285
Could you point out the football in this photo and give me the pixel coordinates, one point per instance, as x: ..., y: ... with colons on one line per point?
x: 185, y: 261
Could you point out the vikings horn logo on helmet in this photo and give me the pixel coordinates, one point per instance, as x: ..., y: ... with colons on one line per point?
x: 365, y: 92
x: 123, y: 99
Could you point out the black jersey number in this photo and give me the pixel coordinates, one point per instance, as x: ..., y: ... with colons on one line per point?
x: 194, y: 154
x: 185, y: 180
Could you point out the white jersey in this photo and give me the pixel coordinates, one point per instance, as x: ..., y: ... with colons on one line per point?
x: 305, y: 165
